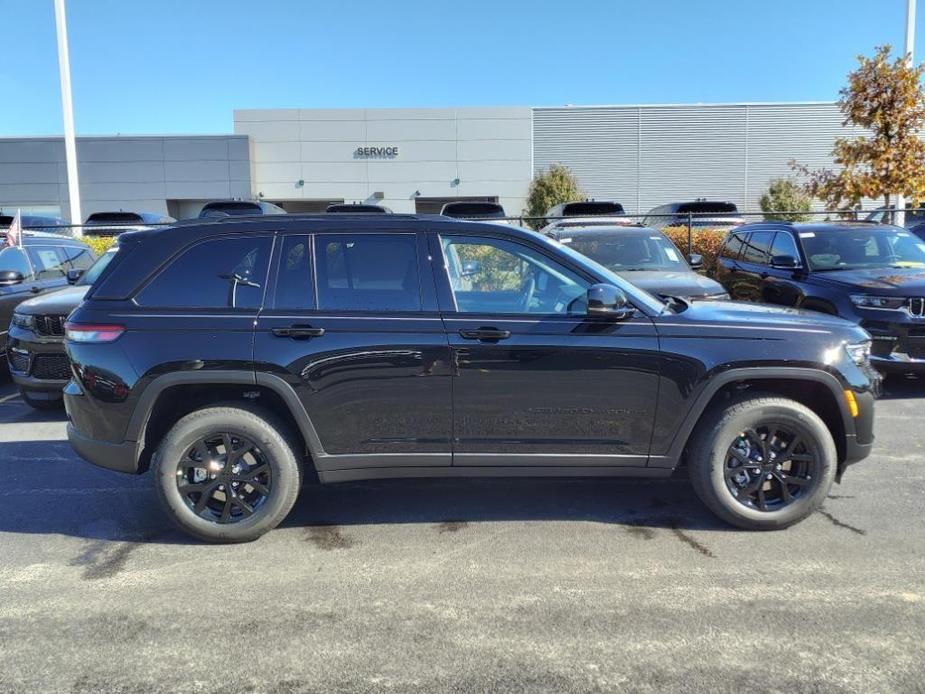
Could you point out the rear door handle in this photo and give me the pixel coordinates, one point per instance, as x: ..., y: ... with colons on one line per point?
x: 298, y: 332
x: 35, y: 290
x: 485, y: 334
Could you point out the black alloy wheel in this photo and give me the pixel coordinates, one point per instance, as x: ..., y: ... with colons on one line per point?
x: 224, y: 477
x: 769, y: 467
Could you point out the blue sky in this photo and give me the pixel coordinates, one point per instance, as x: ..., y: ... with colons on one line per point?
x: 182, y: 66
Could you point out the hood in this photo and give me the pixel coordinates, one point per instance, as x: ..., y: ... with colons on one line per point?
x: 57, y: 303
x: 887, y: 281
x: 669, y: 283
x: 758, y: 316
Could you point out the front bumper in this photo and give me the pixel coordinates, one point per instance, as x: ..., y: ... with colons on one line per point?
x: 897, y: 345
x: 38, y: 364
x: 121, y: 457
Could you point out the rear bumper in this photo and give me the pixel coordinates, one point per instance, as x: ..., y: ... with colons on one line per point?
x: 121, y: 457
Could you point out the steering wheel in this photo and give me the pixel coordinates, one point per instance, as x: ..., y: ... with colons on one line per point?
x: 528, y: 290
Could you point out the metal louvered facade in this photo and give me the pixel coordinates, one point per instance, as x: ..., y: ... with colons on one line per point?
x: 645, y: 156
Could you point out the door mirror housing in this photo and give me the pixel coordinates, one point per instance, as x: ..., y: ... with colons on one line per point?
x: 607, y: 301
x: 470, y: 268
x: 785, y: 262
x: 73, y: 275
x: 9, y: 278
x: 696, y: 261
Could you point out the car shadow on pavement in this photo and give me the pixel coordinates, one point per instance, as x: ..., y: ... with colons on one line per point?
x: 48, y: 490
x: 626, y: 502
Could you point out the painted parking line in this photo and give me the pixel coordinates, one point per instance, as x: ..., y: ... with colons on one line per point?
x: 7, y: 398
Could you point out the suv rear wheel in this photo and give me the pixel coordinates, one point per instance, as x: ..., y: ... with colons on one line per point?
x: 762, y: 462
x: 227, y: 474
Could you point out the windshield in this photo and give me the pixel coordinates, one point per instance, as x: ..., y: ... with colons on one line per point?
x: 89, y: 277
x: 626, y: 253
x: 853, y: 249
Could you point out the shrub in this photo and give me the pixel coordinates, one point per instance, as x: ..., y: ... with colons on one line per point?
x: 786, y: 194
x: 99, y: 244
x: 547, y: 189
x: 706, y: 242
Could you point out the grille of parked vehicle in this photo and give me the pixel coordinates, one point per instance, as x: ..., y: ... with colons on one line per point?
x: 51, y: 366
x: 917, y: 306
x: 50, y: 326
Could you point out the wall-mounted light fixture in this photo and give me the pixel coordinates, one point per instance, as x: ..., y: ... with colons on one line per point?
x: 417, y: 193
x: 454, y: 182
x: 300, y: 182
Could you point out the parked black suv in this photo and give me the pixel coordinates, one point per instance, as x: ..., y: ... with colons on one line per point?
x: 235, y: 357
x: 870, y: 274
x: 39, y: 266
x: 39, y: 365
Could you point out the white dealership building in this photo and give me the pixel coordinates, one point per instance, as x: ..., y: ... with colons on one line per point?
x: 416, y: 159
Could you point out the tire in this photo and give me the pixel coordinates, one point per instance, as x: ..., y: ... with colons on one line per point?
x: 44, y: 404
x: 273, y: 449
x: 711, y: 460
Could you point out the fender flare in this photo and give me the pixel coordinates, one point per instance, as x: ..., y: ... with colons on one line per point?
x: 717, y: 382
x: 153, y: 391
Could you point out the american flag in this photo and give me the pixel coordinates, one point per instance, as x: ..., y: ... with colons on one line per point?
x: 14, y: 233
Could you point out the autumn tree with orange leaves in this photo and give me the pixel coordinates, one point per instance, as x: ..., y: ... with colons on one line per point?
x: 886, y: 99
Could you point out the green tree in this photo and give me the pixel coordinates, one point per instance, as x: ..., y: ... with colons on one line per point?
x: 886, y: 99
x: 549, y: 188
x: 786, y: 195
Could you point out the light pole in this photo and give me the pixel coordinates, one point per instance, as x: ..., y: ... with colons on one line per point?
x: 899, y: 217
x: 70, y: 145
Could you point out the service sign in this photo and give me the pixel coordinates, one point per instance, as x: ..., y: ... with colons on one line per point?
x: 376, y: 152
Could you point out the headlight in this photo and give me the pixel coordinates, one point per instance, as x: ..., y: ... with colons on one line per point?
x: 723, y: 296
x: 859, y: 352
x: 883, y: 302
x: 24, y: 321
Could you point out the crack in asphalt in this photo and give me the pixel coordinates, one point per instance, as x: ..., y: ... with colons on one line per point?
x: 841, y: 524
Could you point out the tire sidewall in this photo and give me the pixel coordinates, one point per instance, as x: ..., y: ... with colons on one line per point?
x: 284, y: 472
x: 818, y: 441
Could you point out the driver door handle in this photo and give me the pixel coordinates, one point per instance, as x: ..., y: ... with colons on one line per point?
x: 485, y: 334
x: 298, y: 332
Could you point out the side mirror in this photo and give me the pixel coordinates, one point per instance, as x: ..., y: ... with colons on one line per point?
x: 73, y: 275
x: 696, y: 261
x: 607, y: 301
x: 471, y: 267
x: 9, y: 278
x: 785, y: 262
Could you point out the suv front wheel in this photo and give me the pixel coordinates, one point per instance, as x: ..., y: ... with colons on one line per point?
x: 227, y: 474
x: 762, y: 462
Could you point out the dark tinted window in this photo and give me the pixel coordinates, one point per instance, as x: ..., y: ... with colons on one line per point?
x: 473, y: 210
x: 733, y: 247
x: 294, y: 278
x: 707, y: 207
x: 89, y: 277
x: 47, y: 262
x: 230, y: 208
x: 784, y: 245
x: 222, y: 273
x: 355, y: 209
x: 15, y: 259
x: 114, y: 218
x: 755, y: 249
x: 367, y: 272
x: 591, y: 209
x: 77, y: 257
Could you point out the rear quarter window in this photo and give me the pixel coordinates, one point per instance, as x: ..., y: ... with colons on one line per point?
x: 219, y: 273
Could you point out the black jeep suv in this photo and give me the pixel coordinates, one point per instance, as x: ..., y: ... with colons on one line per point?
x: 236, y: 357
x: 870, y: 274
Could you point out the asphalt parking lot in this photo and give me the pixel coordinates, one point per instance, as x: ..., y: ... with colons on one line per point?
x: 481, y: 586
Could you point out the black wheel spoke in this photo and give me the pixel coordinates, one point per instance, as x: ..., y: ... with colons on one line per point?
x: 784, y: 489
x: 203, y: 452
x: 258, y: 487
x: 793, y: 479
x: 249, y: 475
x: 762, y: 501
x: 240, y: 452
x: 241, y: 504
x: 205, y: 497
x: 226, y: 509
x: 739, y: 455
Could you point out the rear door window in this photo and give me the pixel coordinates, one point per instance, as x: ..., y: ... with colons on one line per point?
x: 733, y: 247
x: 221, y: 273
x: 367, y: 272
x: 15, y: 259
x: 755, y: 248
x: 294, y: 288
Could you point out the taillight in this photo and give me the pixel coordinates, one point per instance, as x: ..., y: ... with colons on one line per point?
x: 88, y: 332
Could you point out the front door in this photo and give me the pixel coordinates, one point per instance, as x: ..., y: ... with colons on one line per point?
x: 538, y: 382
x: 357, y: 335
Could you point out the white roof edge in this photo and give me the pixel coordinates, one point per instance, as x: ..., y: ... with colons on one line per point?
x: 691, y: 105
x: 122, y: 136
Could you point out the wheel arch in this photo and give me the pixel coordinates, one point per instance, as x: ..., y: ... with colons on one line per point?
x: 818, y: 390
x: 170, y: 397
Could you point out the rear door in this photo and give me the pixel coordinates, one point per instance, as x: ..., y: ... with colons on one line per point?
x: 352, y: 325
x: 751, y: 268
x: 50, y: 267
x: 537, y: 382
